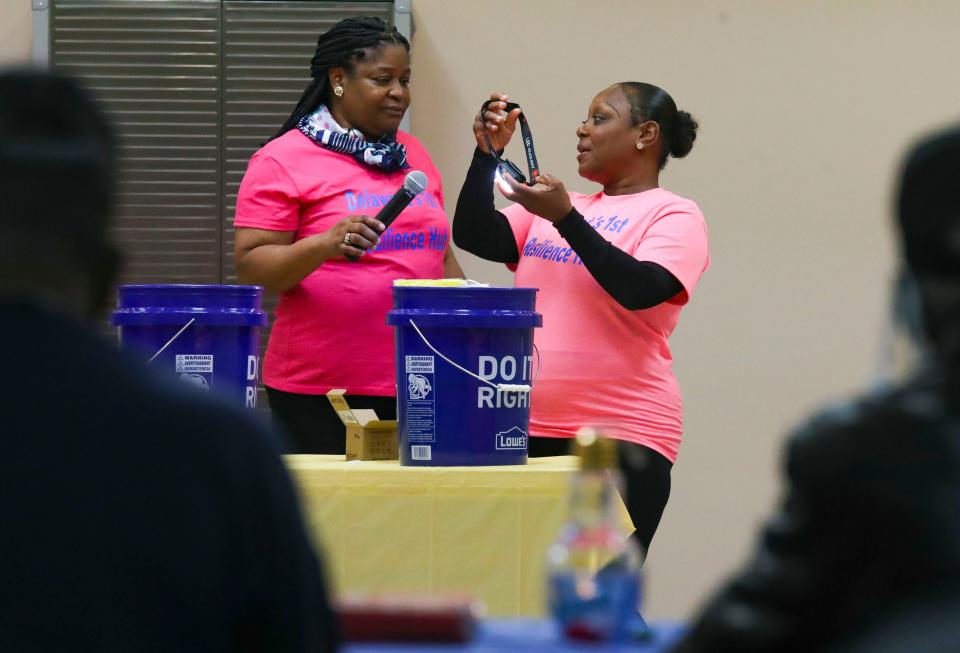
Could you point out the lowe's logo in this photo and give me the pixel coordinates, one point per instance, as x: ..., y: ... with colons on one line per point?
x: 513, y: 439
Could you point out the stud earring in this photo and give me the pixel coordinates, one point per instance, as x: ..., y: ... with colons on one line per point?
x: 338, y: 90
x: 639, y: 146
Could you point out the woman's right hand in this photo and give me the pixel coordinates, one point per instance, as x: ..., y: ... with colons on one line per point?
x: 352, y: 236
x: 500, y: 124
x: 278, y: 262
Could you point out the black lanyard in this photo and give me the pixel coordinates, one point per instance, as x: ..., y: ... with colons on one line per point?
x: 505, y: 166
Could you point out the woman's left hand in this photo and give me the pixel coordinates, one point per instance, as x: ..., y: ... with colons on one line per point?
x: 548, y: 198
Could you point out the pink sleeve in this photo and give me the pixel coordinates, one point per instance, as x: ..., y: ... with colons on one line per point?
x: 268, y: 198
x: 678, y: 242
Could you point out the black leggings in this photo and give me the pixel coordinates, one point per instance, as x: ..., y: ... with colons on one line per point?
x: 646, y: 479
x: 312, y: 424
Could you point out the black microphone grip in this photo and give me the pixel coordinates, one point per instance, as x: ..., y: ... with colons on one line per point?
x: 390, y: 211
x: 394, y: 207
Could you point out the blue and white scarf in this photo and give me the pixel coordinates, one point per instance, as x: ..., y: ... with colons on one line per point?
x: 386, y: 154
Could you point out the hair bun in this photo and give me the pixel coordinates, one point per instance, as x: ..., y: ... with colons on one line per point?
x: 684, y: 134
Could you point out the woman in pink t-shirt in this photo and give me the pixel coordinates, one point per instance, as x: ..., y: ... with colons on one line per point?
x: 304, y: 205
x: 614, y: 270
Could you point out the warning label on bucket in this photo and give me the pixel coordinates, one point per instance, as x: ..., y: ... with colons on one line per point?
x: 420, y: 364
x: 195, y: 369
x: 196, y: 363
x: 418, y: 386
x: 420, y: 415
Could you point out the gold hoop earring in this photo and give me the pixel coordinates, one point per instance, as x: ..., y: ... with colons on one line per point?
x: 338, y: 91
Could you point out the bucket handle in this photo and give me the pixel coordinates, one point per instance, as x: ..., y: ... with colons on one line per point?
x: 170, y: 341
x: 500, y: 387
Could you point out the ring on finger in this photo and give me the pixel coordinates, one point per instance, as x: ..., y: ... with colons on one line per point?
x: 346, y: 239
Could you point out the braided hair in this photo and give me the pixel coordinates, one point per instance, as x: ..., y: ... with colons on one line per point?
x: 340, y: 47
x: 678, y: 129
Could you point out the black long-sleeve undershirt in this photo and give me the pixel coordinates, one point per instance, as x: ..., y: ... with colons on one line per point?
x: 477, y: 225
x: 482, y: 230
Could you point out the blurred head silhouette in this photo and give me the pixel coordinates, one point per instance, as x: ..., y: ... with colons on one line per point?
x: 928, y: 214
x: 56, y: 192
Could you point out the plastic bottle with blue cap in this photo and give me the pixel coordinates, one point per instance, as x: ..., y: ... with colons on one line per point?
x: 593, y: 567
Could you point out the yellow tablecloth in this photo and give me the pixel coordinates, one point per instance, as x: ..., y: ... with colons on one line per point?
x: 483, y: 530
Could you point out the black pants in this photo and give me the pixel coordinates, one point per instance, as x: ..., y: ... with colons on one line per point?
x: 646, y: 479
x: 312, y: 424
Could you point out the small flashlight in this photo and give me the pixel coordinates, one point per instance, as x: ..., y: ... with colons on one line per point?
x: 508, y: 168
x: 500, y: 181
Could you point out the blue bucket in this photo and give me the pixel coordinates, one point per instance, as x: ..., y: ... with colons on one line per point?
x: 464, y: 371
x: 205, y: 335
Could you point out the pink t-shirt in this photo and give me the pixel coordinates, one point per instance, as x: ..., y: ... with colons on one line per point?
x: 330, y: 329
x: 601, y: 364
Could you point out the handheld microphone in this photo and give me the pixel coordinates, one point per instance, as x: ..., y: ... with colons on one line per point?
x: 413, y: 184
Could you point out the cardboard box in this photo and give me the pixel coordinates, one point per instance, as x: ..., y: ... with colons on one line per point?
x: 368, y: 436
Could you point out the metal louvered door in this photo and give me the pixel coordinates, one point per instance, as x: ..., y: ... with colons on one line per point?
x: 267, y: 48
x: 155, y: 67
x: 193, y: 87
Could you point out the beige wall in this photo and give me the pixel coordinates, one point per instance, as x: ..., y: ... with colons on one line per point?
x: 805, y: 109
x: 15, y: 31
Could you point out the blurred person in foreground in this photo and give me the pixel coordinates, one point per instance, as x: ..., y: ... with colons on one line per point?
x: 135, y: 514
x: 864, y: 552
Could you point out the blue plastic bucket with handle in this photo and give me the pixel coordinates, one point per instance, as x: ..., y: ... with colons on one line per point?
x: 208, y: 336
x: 465, y: 366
